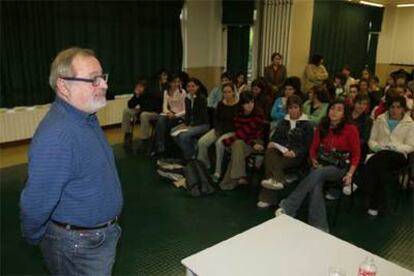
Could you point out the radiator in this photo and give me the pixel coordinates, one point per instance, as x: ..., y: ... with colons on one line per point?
x: 274, y: 18
x: 20, y: 123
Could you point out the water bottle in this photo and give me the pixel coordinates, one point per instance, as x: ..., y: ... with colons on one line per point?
x: 367, y: 268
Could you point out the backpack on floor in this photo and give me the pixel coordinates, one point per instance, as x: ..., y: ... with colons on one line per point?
x: 198, y: 179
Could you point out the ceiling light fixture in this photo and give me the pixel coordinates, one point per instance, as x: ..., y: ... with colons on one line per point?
x: 371, y: 4
x: 405, y: 5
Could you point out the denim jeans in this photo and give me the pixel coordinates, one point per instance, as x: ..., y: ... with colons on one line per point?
x: 163, y: 124
x: 80, y: 252
x: 187, y: 141
x: 312, y: 185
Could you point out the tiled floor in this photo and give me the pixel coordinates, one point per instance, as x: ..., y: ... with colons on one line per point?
x: 162, y: 224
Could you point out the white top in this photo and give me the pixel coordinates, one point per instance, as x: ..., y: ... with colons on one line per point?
x: 284, y: 246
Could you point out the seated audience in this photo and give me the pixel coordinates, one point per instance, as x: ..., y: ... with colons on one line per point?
x: 275, y: 74
x: 173, y: 111
x: 339, y: 83
x: 288, y: 148
x: 223, y: 128
x: 375, y: 92
x: 291, y: 87
x: 361, y: 118
x: 363, y: 87
x: 317, y: 105
x: 350, y: 97
x: 315, y: 73
x: 160, y: 85
x: 346, y: 71
x: 363, y: 121
x: 263, y: 96
x: 247, y: 138
x: 365, y: 74
x: 389, y: 84
x: 335, y: 154
x: 196, y: 121
x: 144, y: 104
x: 216, y: 94
x: 391, y: 141
x: 382, y: 106
x: 240, y: 82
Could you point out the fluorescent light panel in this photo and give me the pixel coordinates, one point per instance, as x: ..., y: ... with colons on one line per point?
x: 371, y: 4
x: 405, y: 5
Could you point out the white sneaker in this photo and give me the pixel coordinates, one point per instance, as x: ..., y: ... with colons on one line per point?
x: 272, y: 184
x: 262, y: 204
x: 328, y: 196
x: 291, y: 178
x: 346, y: 190
x: 280, y: 211
x: 373, y: 212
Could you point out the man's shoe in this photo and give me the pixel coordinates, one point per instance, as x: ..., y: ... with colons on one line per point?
x: 329, y: 196
x: 280, y: 211
x: 272, y: 184
x: 262, y: 204
x: 289, y: 179
x: 216, y: 177
x: 372, y: 212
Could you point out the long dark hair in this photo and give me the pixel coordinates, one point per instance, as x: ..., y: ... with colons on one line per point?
x: 325, y: 124
x: 202, y: 90
x: 171, y: 78
x: 244, y: 98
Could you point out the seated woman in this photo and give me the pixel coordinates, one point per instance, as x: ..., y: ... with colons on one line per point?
x: 350, y: 96
x: 335, y: 154
x: 291, y: 87
x: 288, y: 148
x: 196, y: 120
x: 391, y: 141
x: 224, y: 128
x: 317, y: 105
x: 263, y: 96
x: 248, y: 138
x: 173, y: 111
x: 362, y: 120
x: 315, y: 73
x: 240, y: 83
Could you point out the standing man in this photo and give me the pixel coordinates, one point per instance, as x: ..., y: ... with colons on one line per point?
x: 73, y: 196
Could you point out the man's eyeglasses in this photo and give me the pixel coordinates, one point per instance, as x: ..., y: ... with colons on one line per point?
x: 95, y: 81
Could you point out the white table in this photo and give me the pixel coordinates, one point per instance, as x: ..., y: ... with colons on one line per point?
x: 287, y: 247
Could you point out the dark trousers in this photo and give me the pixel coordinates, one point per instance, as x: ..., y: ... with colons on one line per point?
x: 377, y: 171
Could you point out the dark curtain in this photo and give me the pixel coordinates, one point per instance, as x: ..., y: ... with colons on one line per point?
x: 340, y: 33
x: 237, y: 48
x: 131, y: 39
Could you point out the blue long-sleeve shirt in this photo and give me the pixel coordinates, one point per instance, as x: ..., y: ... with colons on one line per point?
x: 215, y: 96
x: 278, y: 110
x: 72, y: 174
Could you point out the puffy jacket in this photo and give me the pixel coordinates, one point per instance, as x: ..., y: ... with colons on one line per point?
x: 401, y: 139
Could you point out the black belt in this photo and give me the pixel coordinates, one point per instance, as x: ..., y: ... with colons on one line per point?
x: 75, y: 227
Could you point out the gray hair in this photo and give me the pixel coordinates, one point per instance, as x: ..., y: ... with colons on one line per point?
x: 62, y: 64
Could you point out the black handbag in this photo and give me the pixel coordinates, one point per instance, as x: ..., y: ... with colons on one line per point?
x: 333, y: 157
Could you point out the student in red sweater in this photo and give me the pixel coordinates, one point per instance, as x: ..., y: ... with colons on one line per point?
x: 248, y: 138
x: 335, y: 154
